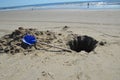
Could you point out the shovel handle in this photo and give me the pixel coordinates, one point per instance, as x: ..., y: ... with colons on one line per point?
x: 64, y: 49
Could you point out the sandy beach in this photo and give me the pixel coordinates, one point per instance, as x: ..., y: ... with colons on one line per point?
x: 103, y: 64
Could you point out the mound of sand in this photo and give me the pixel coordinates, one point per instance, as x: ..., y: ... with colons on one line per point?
x: 12, y: 43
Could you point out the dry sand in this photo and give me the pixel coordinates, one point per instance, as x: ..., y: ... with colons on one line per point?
x: 42, y: 65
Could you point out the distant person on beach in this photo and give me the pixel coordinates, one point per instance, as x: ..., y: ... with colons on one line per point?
x: 88, y: 5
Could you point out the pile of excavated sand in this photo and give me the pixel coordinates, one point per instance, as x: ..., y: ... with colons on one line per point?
x: 12, y: 43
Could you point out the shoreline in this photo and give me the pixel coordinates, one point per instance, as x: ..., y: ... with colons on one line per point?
x: 82, y: 9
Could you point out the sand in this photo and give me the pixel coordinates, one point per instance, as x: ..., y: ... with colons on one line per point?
x: 103, y: 64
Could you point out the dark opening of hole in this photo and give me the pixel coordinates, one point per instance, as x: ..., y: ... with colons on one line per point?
x: 83, y: 43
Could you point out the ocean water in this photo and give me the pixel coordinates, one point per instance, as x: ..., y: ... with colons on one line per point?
x: 92, y: 4
x: 85, y: 5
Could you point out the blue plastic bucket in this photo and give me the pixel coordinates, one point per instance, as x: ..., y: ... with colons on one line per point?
x: 29, y: 39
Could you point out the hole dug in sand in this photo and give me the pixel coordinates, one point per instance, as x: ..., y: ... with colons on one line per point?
x: 83, y: 43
